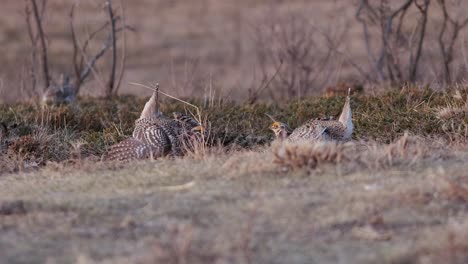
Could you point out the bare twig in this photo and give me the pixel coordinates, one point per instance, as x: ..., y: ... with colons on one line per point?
x: 123, y: 59
x: 364, y: 5
x: 77, y: 66
x: 387, y: 28
x: 96, y: 32
x: 90, y: 62
x: 83, y: 65
x: 289, y: 46
x: 45, y: 64
x: 265, y: 84
x: 110, y: 85
x: 423, y: 8
x: 33, y: 40
x: 334, y: 47
x: 386, y: 54
x: 387, y: 66
x: 398, y: 36
x: 463, y: 50
x: 446, y: 47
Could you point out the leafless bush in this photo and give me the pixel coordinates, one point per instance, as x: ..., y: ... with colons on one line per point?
x: 395, y: 58
x: 254, y: 93
x: 34, y: 19
x: 296, y: 53
x: 395, y: 43
x: 451, y: 26
x: 66, y: 90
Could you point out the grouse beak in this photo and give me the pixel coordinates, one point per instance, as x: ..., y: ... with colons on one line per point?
x: 275, y: 125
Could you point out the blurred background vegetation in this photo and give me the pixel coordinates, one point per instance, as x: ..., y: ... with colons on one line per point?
x: 241, y: 50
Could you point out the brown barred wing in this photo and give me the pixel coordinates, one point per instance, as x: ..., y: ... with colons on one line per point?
x: 132, y: 149
x: 159, y: 131
x: 173, y: 132
x: 186, y: 121
x: 141, y: 125
x: 314, y: 130
x: 157, y: 136
x: 334, y: 130
x: 308, y: 131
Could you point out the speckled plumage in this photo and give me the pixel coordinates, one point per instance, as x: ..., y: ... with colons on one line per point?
x: 192, y: 130
x: 131, y: 149
x: 159, y: 130
x: 154, y: 135
x: 186, y: 121
x: 319, y: 129
x: 316, y: 129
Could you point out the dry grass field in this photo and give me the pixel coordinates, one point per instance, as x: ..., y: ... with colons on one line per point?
x: 398, y: 203
x: 396, y: 193
x: 387, y: 196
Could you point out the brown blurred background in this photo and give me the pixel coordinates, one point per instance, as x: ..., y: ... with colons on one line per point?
x: 239, y: 50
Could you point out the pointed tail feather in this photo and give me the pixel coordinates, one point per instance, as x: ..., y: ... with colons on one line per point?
x: 151, y: 108
x: 346, y: 117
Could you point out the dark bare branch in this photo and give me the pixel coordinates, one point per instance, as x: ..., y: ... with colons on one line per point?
x: 386, y: 52
x: 110, y: 85
x: 77, y: 65
x: 334, y: 47
x: 446, y: 46
x: 123, y: 59
x: 414, y: 62
x: 364, y: 5
x: 265, y: 84
x: 33, y: 40
x: 91, y: 62
x: 45, y: 64
x: 96, y: 32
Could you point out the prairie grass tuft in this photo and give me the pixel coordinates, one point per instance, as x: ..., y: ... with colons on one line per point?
x: 308, y: 155
x: 406, y: 150
x: 450, y: 112
x: 50, y: 133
